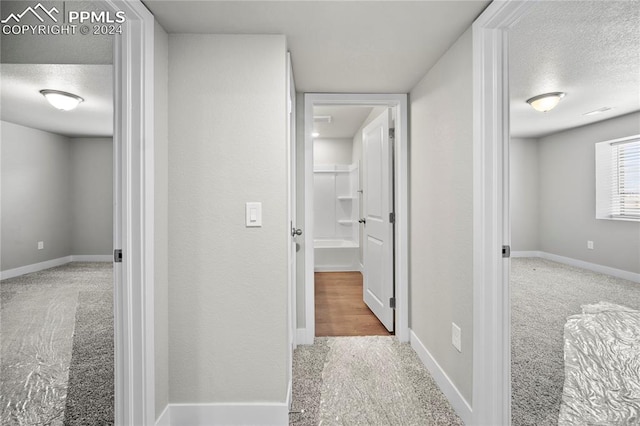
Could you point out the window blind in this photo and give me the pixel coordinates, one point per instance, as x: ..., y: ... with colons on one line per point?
x: 625, y: 193
x: 618, y: 179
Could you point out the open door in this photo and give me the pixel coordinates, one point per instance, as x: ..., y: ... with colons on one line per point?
x: 378, y: 289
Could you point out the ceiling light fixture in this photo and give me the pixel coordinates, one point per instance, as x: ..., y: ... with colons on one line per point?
x: 546, y: 102
x: 62, y: 100
x: 598, y: 111
x: 315, y: 134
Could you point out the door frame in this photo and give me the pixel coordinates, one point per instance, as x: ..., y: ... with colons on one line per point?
x: 291, y: 219
x: 491, y: 296
x: 134, y: 215
x: 401, y: 236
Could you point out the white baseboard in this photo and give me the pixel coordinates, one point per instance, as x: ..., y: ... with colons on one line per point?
x: 165, y: 418
x: 618, y: 273
x: 40, y: 266
x: 92, y: 258
x: 34, y: 267
x: 526, y: 254
x: 457, y: 401
x: 267, y: 414
x: 303, y: 338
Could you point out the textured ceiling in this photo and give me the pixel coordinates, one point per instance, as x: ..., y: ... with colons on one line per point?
x: 345, y: 120
x: 337, y: 46
x: 588, y: 49
x: 23, y: 104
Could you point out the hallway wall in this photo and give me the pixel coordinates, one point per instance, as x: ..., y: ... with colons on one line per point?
x: 228, y: 331
x: 441, y: 212
x: 161, y: 217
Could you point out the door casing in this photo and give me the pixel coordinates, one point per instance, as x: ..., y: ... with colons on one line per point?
x: 401, y: 237
x: 491, y: 305
x: 134, y: 215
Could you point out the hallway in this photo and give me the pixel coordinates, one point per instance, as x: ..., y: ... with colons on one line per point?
x: 370, y: 380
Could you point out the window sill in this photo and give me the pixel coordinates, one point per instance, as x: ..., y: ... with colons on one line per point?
x: 620, y: 218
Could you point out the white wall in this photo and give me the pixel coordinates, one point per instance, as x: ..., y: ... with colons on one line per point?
x: 56, y: 190
x: 332, y: 150
x: 91, y: 196
x: 36, y: 196
x: 441, y: 213
x: 524, y: 194
x: 161, y: 218
x: 553, y: 197
x: 228, y: 291
x: 567, y: 198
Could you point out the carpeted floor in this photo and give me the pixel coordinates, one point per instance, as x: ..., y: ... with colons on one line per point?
x: 371, y: 380
x: 56, y: 328
x: 90, y: 396
x: 543, y: 295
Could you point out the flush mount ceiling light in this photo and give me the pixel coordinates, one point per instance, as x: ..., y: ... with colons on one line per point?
x: 62, y: 100
x: 315, y: 134
x: 546, y: 102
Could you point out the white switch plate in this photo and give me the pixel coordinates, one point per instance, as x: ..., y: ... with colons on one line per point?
x: 40, y: 245
x: 590, y: 245
x: 253, y: 215
x: 456, y: 337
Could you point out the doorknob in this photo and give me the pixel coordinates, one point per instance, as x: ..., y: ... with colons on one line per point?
x: 295, y: 232
x: 364, y: 221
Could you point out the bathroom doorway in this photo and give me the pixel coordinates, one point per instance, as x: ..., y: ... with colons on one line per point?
x: 340, y: 224
x: 343, y: 296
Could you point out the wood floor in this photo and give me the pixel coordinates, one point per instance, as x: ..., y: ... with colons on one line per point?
x: 340, y: 310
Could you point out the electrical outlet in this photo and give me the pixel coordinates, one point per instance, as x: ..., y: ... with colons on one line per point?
x: 40, y: 245
x: 590, y: 245
x: 456, y: 337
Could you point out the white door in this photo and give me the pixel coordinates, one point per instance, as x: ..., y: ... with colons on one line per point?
x: 378, y: 226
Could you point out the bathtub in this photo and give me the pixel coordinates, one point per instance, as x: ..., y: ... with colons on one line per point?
x: 336, y: 255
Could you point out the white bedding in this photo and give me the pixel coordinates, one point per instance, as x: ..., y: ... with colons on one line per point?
x: 602, y: 367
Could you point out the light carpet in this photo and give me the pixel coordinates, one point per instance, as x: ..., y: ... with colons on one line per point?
x: 543, y: 295
x: 41, y: 322
x: 371, y: 380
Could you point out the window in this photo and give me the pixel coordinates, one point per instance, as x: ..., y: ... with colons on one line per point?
x: 618, y: 179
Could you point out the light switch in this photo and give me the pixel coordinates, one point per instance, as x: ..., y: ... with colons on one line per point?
x: 253, y: 213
